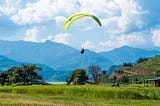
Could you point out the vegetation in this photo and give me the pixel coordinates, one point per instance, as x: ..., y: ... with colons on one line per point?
x: 150, y: 64
x: 78, y: 77
x: 97, y: 74
x: 10, y: 99
x: 81, y: 95
x: 128, y: 73
x: 127, y: 64
x: 89, y: 91
x: 140, y: 60
x: 23, y: 75
x: 144, y: 68
x: 134, y: 93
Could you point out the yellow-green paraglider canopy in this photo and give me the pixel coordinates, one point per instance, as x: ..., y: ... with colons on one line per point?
x: 75, y: 17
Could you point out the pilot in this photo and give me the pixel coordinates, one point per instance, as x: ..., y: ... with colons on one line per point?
x: 82, y: 50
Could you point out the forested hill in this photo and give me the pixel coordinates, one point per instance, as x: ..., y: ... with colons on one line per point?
x: 143, y: 66
x: 150, y: 64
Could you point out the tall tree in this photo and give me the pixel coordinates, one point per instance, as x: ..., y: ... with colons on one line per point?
x: 23, y: 75
x: 78, y: 77
x: 95, y: 72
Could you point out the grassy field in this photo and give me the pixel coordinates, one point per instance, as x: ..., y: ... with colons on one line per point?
x: 86, y: 95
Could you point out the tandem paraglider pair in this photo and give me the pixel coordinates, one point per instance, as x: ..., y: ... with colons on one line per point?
x: 75, y: 17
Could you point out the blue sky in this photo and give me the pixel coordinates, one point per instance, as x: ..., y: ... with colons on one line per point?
x: 124, y: 22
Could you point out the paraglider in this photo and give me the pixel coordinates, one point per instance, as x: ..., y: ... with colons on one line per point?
x: 82, y: 50
x: 75, y: 17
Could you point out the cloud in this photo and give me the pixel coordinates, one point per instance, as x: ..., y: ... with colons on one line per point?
x: 43, y: 10
x: 125, y: 22
x: 129, y: 17
x: 156, y: 37
x: 132, y: 40
x: 59, y: 20
x: 124, y: 15
x: 9, y: 7
x: 88, y: 45
x: 61, y: 38
x: 32, y: 35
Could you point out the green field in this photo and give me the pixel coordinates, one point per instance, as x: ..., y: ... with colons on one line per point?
x: 81, y: 95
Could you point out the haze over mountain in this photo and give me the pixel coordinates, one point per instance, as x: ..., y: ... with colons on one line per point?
x: 48, y: 73
x: 58, y: 60
x: 55, y: 55
x: 127, y: 54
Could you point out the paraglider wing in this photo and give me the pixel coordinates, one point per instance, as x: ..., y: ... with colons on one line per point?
x: 75, y: 17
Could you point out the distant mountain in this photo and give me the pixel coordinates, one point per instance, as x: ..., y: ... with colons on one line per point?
x: 54, y: 55
x: 127, y: 54
x: 157, y: 48
x: 49, y: 74
x: 6, y: 63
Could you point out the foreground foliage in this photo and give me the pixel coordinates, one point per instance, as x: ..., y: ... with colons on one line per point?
x: 81, y: 95
x: 10, y: 99
x: 88, y: 91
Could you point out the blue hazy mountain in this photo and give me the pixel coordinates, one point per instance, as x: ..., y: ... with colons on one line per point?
x: 52, y: 54
x: 48, y: 73
x: 6, y: 63
x: 58, y: 60
x: 127, y: 54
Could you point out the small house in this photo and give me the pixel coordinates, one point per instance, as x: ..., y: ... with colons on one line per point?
x: 156, y: 81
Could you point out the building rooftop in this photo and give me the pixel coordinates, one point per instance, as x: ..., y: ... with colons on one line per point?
x: 153, y: 79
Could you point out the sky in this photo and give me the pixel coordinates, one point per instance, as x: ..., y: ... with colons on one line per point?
x: 133, y: 23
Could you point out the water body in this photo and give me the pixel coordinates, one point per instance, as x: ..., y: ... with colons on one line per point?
x: 56, y: 82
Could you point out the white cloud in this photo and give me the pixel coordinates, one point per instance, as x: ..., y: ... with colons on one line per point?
x: 43, y: 10
x: 60, y: 20
x: 132, y: 40
x: 102, y: 8
x: 88, y: 45
x: 32, y: 35
x: 9, y: 7
x: 122, y: 15
x: 156, y: 37
x: 61, y: 38
x: 121, y: 19
x: 129, y: 17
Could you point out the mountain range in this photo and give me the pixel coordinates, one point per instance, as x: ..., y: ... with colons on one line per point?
x: 58, y: 60
x: 55, y: 55
x: 126, y: 54
x: 48, y: 73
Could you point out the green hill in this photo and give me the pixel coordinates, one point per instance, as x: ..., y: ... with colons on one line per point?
x: 137, y: 73
x: 150, y: 64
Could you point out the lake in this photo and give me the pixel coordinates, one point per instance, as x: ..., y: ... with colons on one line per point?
x: 56, y: 82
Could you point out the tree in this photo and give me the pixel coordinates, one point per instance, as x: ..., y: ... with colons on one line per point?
x: 125, y: 79
x: 127, y: 64
x: 3, y: 78
x: 114, y: 79
x: 23, y: 75
x: 29, y: 73
x: 78, y: 77
x: 95, y: 72
x: 140, y: 60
